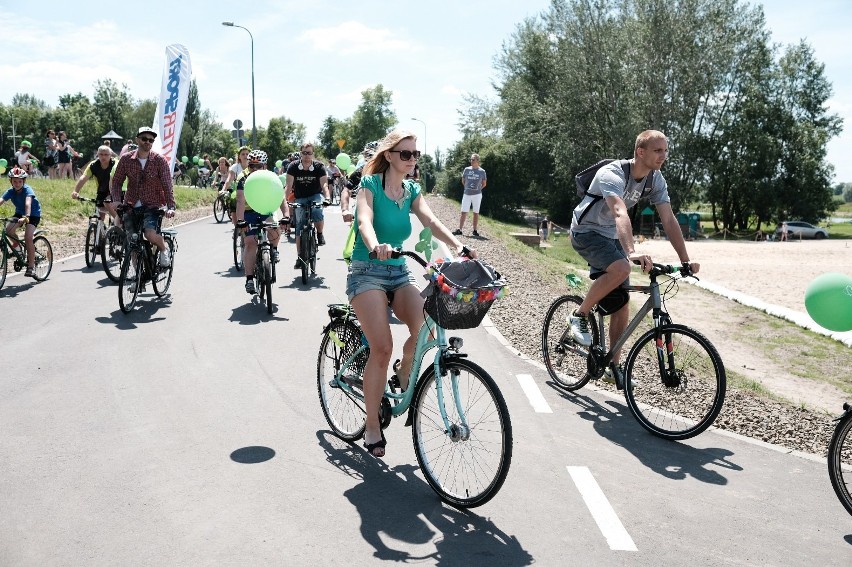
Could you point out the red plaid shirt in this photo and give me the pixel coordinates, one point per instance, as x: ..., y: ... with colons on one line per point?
x: 152, y: 185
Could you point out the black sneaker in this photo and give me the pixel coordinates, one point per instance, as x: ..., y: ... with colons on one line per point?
x: 298, y: 264
x: 320, y: 239
x: 30, y: 273
x: 476, y: 234
x: 457, y: 232
x: 250, y: 287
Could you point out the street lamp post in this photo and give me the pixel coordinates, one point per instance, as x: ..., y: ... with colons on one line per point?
x: 425, y: 147
x: 253, y: 120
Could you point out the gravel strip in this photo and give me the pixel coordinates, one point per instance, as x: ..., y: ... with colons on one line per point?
x: 519, y: 317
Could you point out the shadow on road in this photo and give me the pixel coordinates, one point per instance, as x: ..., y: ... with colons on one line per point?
x: 143, y: 312
x: 671, y: 459
x: 395, y: 504
x: 252, y: 455
x: 254, y: 312
x: 14, y: 290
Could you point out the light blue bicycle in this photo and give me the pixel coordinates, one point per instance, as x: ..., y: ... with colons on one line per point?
x: 459, y: 420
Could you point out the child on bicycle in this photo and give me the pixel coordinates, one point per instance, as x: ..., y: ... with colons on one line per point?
x: 383, y: 208
x: 27, y: 213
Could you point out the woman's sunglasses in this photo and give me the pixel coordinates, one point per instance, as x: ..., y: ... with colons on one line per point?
x: 406, y: 155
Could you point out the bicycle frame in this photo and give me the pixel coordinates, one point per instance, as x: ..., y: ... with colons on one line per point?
x: 430, y: 336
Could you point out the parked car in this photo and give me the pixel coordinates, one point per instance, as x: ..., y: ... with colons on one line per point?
x: 802, y: 229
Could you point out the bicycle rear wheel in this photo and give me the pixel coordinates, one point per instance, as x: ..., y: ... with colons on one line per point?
x: 43, y: 258
x: 840, y: 460
x: 344, y: 412
x: 112, y: 253
x: 220, y: 209
x: 163, y: 276
x: 683, y: 399
x: 239, y: 248
x: 566, y: 361
x: 467, y: 465
x: 91, y: 250
x: 130, y: 281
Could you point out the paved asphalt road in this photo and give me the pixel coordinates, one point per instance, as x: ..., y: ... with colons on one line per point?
x: 190, y: 433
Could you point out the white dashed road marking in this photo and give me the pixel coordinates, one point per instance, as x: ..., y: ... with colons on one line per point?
x: 534, y: 395
x: 611, y: 527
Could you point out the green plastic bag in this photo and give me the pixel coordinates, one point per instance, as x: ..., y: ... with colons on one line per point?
x: 349, y: 246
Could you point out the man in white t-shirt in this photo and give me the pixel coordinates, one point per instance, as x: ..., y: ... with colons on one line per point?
x: 474, y: 180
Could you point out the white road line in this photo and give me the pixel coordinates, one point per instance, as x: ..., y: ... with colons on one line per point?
x: 606, y: 518
x: 534, y: 395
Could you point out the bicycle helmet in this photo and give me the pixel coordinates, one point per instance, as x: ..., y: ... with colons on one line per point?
x: 258, y: 156
x: 370, y: 149
x: 17, y: 173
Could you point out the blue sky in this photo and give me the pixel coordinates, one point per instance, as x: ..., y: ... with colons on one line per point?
x: 313, y: 59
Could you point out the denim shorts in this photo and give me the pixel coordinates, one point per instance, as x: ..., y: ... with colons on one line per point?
x: 152, y: 221
x: 316, y: 214
x: 599, y: 251
x: 364, y: 276
x: 252, y: 217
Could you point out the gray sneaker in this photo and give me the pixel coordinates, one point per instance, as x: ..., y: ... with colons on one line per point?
x: 614, y: 374
x: 580, y: 329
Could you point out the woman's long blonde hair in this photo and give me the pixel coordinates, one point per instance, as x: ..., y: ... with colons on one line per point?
x: 379, y: 163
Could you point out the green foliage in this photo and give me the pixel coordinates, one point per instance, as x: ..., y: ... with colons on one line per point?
x: 747, y: 127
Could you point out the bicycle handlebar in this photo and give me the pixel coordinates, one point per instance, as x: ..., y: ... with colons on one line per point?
x: 667, y: 269
x: 399, y: 252
x: 85, y: 199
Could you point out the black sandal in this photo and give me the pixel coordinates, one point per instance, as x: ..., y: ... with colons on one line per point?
x: 381, y: 444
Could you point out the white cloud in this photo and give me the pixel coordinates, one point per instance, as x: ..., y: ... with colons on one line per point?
x: 353, y: 38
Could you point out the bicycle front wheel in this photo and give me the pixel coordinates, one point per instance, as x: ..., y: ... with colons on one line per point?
x: 220, y: 209
x: 163, y: 276
x: 130, y: 281
x: 566, y: 361
x: 267, y: 280
x: 112, y: 253
x: 304, y: 253
x: 683, y: 398
x: 344, y: 410
x: 840, y: 461
x: 43, y: 258
x: 4, y: 263
x: 467, y: 465
x: 91, y: 246
x: 239, y: 248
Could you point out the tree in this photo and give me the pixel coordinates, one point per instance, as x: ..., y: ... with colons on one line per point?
x: 281, y: 138
x: 112, y: 106
x: 372, y: 120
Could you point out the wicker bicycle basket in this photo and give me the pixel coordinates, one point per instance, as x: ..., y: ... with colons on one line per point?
x: 460, y: 293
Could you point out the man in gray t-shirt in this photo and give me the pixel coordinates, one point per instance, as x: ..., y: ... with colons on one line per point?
x: 474, y: 180
x: 604, y: 236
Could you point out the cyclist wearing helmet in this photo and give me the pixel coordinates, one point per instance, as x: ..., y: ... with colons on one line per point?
x: 353, y: 180
x: 27, y: 213
x: 246, y: 216
x: 308, y: 181
x: 24, y: 158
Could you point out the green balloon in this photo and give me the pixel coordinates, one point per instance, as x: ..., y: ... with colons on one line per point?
x: 2, y: 169
x: 3, y: 163
x: 264, y: 192
x: 828, y: 300
x: 194, y: 159
x: 351, y: 169
x: 184, y: 159
x: 278, y: 163
x: 343, y: 161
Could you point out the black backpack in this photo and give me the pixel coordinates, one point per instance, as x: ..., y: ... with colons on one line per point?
x: 584, y: 181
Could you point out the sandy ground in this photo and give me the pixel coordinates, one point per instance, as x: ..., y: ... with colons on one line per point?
x: 775, y: 272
